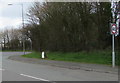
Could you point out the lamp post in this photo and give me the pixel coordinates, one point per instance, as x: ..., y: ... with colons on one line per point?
x: 22, y: 13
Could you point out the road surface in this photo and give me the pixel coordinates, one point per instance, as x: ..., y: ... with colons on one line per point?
x: 21, y: 71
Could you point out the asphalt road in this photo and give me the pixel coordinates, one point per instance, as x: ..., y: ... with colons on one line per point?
x: 0, y: 66
x: 21, y: 71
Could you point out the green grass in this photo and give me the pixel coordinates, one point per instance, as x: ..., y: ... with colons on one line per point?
x: 97, y: 57
x: 33, y: 55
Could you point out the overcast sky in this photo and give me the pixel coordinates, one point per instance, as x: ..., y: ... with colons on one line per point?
x: 11, y: 15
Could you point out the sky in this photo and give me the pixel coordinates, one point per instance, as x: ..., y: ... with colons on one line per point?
x: 11, y: 15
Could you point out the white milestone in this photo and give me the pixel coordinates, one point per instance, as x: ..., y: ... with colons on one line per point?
x: 43, y: 55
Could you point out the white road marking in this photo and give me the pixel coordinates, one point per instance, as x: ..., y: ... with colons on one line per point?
x: 34, y: 77
x: 2, y: 69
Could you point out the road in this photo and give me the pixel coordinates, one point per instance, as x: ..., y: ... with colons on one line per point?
x: 21, y: 71
x: 0, y: 66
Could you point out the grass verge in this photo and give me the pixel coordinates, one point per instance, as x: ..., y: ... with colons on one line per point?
x: 98, y: 57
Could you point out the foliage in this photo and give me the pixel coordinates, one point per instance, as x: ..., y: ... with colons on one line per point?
x: 69, y: 27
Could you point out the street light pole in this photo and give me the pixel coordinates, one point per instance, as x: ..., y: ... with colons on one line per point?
x: 22, y: 26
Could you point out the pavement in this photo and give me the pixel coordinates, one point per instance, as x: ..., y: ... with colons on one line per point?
x: 16, y: 68
x: 69, y: 65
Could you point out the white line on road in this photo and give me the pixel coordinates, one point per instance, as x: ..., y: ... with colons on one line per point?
x: 2, y: 69
x: 34, y: 77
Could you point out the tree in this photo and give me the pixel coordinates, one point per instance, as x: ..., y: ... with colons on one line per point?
x: 69, y: 26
